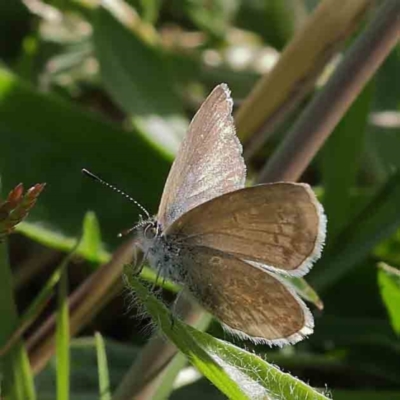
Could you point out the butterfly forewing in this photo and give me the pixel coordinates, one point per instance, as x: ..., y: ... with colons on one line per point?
x: 250, y: 302
x: 280, y: 226
x: 209, y: 162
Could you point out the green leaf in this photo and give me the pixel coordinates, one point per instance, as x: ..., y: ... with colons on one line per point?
x: 136, y: 77
x: 236, y: 372
x: 57, y: 143
x: 63, y: 337
x: 104, y: 378
x: 58, y: 241
x: 389, y: 284
x: 91, y: 246
x: 377, y: 221
x: 17, y: 378
x: 304, y: 289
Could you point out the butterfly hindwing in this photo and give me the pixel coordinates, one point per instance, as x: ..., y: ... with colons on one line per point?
x: 250, y: 302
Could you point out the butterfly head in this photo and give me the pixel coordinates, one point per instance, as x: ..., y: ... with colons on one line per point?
x: 147, y: 231
x: 150, y: 229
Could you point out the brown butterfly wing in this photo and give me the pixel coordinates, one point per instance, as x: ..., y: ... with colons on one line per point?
x: 209, y: 162
x: 279, y: 226
x: 250, y: 302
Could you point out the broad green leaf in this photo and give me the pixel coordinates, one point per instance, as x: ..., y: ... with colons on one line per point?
x: 17, y: 378
x: 377, y: 221
x: 340, y: 159
x: 236, y: 372
x: 56, y: 140
x: 136, y: 77
x: 102, y: 365
x: 389, y: 283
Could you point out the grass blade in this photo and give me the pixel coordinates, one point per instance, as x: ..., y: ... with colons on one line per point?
x: 104, y: 378
x: 63, y: 338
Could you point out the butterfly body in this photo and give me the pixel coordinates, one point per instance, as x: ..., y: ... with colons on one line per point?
x: 161, y: 252
x: 231, y: 246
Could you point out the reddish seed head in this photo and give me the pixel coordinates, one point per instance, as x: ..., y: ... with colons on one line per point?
x: 15, y: 195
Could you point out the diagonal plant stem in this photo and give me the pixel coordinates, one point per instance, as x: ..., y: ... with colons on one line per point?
x: 280, y: 91
x: 328, y: 107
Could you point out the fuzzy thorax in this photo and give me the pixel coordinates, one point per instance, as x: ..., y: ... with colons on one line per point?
x: 161, y: 253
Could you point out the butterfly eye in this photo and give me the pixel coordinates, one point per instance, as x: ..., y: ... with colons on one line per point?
x: 150, y: 232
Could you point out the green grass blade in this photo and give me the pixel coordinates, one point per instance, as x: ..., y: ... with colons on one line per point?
x: 236, y: 372
x: 389, y: 283
x: 102, y: 365
x: 17, y: 379
x: 63, y: 333
x: 91, y: 244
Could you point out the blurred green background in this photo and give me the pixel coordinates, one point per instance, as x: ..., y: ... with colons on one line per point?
x: 112, y: 89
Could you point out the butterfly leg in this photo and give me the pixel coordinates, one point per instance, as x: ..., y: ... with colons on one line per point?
x: 174, y: 312
x: 156, y: 280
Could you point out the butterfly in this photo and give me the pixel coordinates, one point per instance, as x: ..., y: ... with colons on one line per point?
x: 229, y: 245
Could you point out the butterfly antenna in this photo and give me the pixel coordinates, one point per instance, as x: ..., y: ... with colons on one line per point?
x: 96, y: 178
